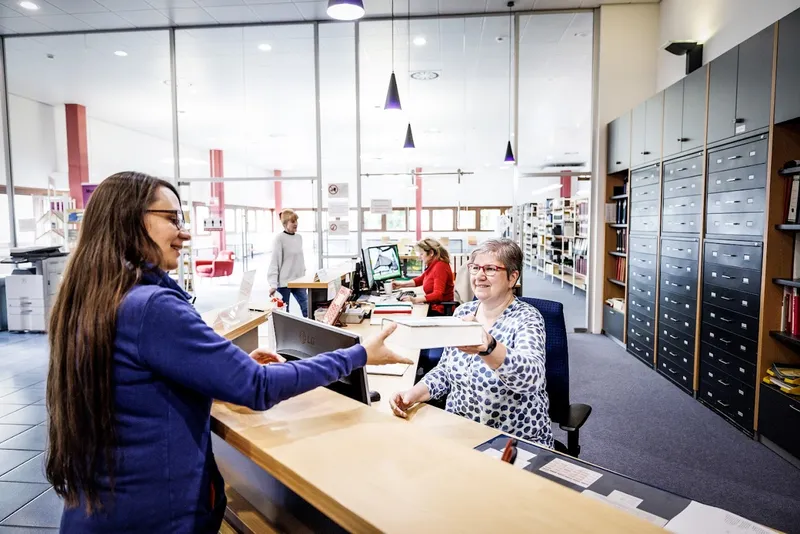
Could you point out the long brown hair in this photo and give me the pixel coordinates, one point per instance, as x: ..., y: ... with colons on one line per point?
x: 113, y: 250
x: 431, y: 245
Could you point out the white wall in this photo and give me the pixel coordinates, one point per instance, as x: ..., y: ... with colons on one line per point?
x: 33, y: 143
x: 719, y: 24
x: 626, y: 75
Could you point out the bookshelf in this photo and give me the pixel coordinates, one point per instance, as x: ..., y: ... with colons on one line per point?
x: 616, y: 254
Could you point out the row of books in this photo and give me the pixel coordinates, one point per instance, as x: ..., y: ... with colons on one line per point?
x: 581, y: 266
x: 622, y: 240
x: 785, y: 377
x: 622, y: 211
x: 792, y: 208
x: 621, y: 269
x: 580, y: 246
x: 790, y: 311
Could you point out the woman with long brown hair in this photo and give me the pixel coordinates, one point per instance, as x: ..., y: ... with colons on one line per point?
x: 134, y: 369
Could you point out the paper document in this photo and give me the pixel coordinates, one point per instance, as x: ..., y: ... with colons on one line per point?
x: 523, y: 457
x: 246, y: 287
x: 580, y: 476
x: 624, y: 504
x: 392, y: 369
x: 701, y: 519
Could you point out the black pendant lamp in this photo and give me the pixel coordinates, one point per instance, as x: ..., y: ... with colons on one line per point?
x: 509, y: 151
x: 392, y: 94
x: 409, y: 143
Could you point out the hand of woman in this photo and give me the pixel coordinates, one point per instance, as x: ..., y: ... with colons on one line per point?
x: 265, y: 357
x: 380, y: 354
x: 403, y: 401
x: 475, y: 349
x: 272, y: 291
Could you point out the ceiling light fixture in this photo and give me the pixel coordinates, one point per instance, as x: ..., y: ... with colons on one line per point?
x: 424, y: 75
x: 345, y: 9
x: 28, y: 5
x: 420, y: 40
x: 121, y: 53
x: 392, y: 94
x: 509, y: 152
x: 265, y: 47
x: 409, y: 140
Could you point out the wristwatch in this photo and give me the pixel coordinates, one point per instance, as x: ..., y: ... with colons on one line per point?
x: 489, y: 348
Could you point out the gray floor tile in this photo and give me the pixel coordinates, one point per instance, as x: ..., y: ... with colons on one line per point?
x: 10, y: 459
x: 29, y: 415
x: 30, y: 471
x: 21, y: 381
x: 8, y: 390
x: 44, y: 511
x: 9, y: 431
x: 22, y: 397
x: 26, y: 530
x: 34, y: 439
x: 15, y: 495
x: 6, y: 409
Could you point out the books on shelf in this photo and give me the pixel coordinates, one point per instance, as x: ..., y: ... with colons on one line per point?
x: 787, y: 373
x: 793, y: 196
x: 790, y: 311
x: 621, y: 269
x: 622, y: 240
x: 432, y: 332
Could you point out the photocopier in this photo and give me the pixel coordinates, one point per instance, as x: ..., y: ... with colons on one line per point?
x: 32, y: 286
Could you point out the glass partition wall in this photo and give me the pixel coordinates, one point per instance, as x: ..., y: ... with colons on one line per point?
x: 260, y: 118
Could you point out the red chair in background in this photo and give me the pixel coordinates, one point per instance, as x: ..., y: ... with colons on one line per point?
x: 222, y: 265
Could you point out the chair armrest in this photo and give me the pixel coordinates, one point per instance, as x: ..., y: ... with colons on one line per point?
x: 576, y: 417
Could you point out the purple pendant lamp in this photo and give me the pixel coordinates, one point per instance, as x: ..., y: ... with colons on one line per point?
x: 409, y: 143
x: 509, y: 152
x: 392, y: 94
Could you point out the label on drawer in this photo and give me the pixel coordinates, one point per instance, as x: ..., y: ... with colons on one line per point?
x: 740, y: 129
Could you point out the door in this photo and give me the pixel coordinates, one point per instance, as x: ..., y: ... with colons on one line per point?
x: 694, y: 110
x: 722, y: 95
x: 787, y: 95
x: 653, y: 127
x: 638, y: 133
x: 754, y: 82
x: 673, y: 118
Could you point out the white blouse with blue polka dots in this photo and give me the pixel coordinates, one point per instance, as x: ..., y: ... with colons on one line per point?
x: 511, y: 398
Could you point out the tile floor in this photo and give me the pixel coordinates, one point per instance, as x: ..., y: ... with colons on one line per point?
x: 27, y: 502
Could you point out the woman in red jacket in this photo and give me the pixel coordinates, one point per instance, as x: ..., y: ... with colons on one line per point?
x: 436, y: 280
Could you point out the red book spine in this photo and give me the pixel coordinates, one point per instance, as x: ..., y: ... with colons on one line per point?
x: 795, y: 313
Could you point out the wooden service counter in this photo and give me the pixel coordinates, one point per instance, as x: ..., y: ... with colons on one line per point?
x: 323, y: 462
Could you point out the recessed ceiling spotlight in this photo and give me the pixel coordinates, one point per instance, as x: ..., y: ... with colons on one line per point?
x: 433, y: 131
x: 424, y: 75
x: 420, y: 40
x: 265, y: 47
x: 28, y: 5
x: 582, y: 34
x: 121, y: 53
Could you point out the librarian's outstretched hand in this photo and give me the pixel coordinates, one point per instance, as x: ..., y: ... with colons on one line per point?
x: 476, y: 348
x: 265, y: 357
x: 380, y: 354
x: 403, y: 401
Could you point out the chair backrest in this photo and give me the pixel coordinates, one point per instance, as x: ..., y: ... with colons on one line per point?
x: 225, y: 255
x: 556, y: 355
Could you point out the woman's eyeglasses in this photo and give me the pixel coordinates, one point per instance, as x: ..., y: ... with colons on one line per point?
x: 488, y: 270
x: 176, y: 217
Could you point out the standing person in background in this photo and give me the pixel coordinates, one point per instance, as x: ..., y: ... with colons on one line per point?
x: 436, y: 280
x: 287, y: 262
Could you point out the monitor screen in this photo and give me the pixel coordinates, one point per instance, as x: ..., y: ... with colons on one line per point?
x: 384, y: 262
x: 298, y: 338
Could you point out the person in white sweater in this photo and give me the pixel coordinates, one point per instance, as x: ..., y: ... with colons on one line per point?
x: 287, y: 262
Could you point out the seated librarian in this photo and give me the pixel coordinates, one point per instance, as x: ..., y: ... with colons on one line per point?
x: 134, y: 369
x: 500, y: 383
x: 436, y: 280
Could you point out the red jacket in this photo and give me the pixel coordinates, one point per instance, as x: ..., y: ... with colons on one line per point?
x: 437, y: 282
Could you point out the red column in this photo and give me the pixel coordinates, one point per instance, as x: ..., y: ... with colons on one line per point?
x: 77, y: 151
x: 418, y: 207
x: 278, y: 195
x: 217, y: 208
x: 566, y: 186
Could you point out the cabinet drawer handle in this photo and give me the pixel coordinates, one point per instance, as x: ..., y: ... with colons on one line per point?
x: 723, y: 404
x: 725, y: 320
x: 672, y: 354
x: 733, y: 179
x: 733, y: 157
x: 25, y: 312
x: 729, y: 255
x: 680, y: 205
x: 733, y: 224
x: 645, y: 153
x: 672, y: 371
x: 723, y: 362
x: 681, y: 187
x: 674, y: 301
x: 725, y: 298
x: 673, y: 337
x: 733, y: 202
x: 724, y: 383
x: 674, y: 320
x: 637, y: 334
x: 682, y: 168
x: 637, y: 319
x: 726, y: 277
x: 637, y: 349
x: 794, y: 408
x: 725, y: 341
x: 619, y: 163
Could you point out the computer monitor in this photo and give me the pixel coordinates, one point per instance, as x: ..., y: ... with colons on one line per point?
x: 298, y: 338
x: 382, y: 263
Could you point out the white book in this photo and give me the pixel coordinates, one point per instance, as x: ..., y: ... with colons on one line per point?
x: 432, y: 332
x: 792, y: 218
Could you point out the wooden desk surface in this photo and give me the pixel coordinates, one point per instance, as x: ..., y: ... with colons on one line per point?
x: 231, y: 332
x: 372, y: 472
x: 307, y: 282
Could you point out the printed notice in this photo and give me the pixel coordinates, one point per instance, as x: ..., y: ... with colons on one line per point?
x: 338, y: 209
x: 339, y: 228
x: 523, y: 457
x: 623, y: 505
x: 709, y: 520
x: 339, y: 190
x: 381, y: 205
x: 580, y: 476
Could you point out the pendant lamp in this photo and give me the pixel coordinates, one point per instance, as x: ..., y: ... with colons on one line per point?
x: 409, y: 143
x: 345, y: 9
x: 509, y: 152
x: 392, y: 94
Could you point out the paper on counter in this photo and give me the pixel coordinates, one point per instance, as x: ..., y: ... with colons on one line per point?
x: 523, y: 457
x: 580, y: 476
x: 624, y: 504
x: 333, y: 288
x: 701, y: 519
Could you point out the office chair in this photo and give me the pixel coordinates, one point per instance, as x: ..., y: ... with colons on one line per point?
x: 570, y: 417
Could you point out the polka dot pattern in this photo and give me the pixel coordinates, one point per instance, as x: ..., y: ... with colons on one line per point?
x: 511, y: 398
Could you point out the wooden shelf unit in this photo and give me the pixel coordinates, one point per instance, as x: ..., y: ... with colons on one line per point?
x: 612, y: 287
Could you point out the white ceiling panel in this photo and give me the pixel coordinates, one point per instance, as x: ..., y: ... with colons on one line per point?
x: 104, y: 21
x: 146, y: 18
x: 24, y: 25
x: 170, y: 4
x: 232, y: 14
x: 314, y: 10
x: 557, y: 4
x: 125, y: 5
x: 189, y: 16
x: 44, y: 8
x: 73, y: 7
x: 63, y: 23
x: 8, y: 12
x: 276, y: 12
x: 217, y: 3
